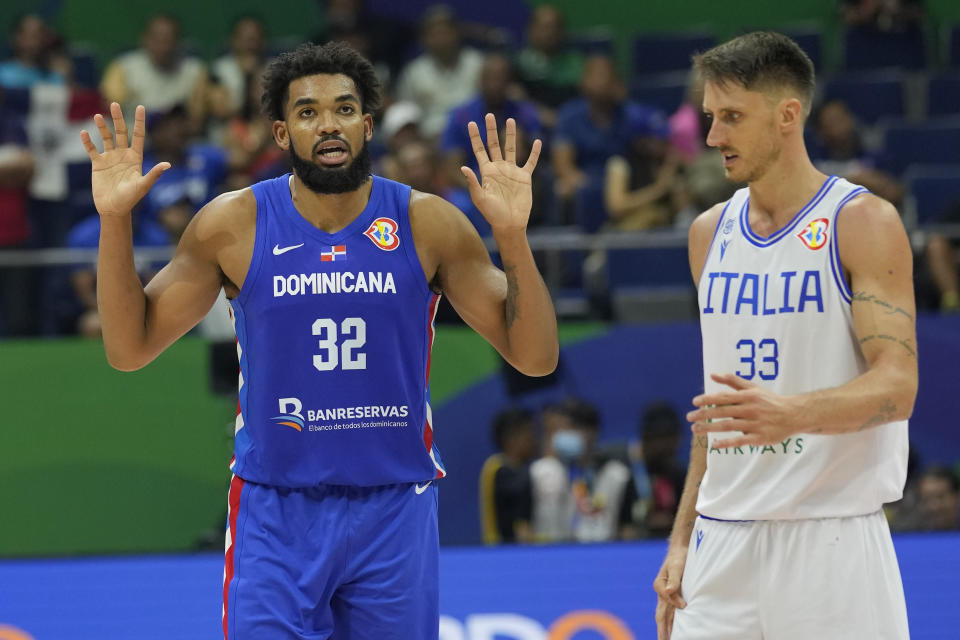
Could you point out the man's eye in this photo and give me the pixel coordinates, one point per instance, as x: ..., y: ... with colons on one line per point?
x: 346, y: 109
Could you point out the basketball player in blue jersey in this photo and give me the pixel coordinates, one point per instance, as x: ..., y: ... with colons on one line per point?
x: 333, y: 277
x: 810, y: 364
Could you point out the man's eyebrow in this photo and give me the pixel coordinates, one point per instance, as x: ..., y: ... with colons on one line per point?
x: 347, y: 97
x: 301, y: 101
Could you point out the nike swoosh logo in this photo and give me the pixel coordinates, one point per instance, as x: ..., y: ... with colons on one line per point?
x: 277, y: 251
x: 420, y: 489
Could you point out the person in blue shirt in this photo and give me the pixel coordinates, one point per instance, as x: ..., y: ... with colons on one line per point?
x: 196, y: 171
x: 35, y: 58
x: 333, y: 277
x: 589, y: 131
x: 496, y: 78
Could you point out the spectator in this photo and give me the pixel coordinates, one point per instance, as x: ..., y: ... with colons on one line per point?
x: 548, y: 69
x: 234, y: 74
x: 841, y: 152
x: 939, y: 491
x: 158, y: 75
x: 445, y: 75
x: 943, y: 263
x: 589, y: 131
x: 252, y: 154
x: 83, y: 277
x: 884, y: 15
x: 36, y: 57
x: 197, y: 169
x: 505, y: 494
x: 578, y: 493
x: 495, y: 83
x: 638, y: 185
x: 400, y: 125
x: 16, y: 169
x: 657, y: 475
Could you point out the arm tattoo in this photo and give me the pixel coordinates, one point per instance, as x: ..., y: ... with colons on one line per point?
x: 882, y: 336
x: 512, y: 291
x: 700, y: 441
x: 883, y: 416
x: 862, y: 296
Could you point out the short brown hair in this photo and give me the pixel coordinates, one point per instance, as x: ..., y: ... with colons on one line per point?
x: 759, y: 60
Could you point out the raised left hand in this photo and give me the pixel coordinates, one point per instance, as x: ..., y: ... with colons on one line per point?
x: 763, y: 417
x: 503, y: 194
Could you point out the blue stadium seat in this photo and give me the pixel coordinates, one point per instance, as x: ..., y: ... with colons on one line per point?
x: 943, y: 94
x: 931, y: 142
x: 592, y: 42
x: 664, y: 91
x: 871, y: 49
x: 660, y: 52
x: 85, y: 70
x: 934, y: 189
x: 870, y: 96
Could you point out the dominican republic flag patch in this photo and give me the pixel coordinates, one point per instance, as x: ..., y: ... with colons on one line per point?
x: 334, y: 253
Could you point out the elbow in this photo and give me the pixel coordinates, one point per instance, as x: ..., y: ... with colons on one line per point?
x: 541, y: 366
x: 123, y: 362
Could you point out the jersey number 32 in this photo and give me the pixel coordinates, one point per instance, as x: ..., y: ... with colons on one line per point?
x: 333, y: 352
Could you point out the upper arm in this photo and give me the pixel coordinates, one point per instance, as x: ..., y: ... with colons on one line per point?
x: 464, y: 272
x: 876, y: 256
x: 184, y: 290
x: 700, y: 237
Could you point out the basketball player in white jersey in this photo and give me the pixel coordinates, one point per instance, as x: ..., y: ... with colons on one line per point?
x: 810, y: 365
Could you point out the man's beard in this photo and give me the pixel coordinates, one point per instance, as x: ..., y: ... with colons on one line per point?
x: 334, y: 180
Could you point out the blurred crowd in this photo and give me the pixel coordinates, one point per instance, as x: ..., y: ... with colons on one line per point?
x: 556, y: 478
x: 614, y: 162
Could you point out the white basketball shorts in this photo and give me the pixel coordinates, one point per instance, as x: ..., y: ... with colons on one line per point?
x: 826, y: 579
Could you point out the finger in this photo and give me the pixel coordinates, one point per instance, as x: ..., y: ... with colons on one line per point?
x: 105, y: 134
x: 668, y: 624
x: 139, y: 129
x: 717, y: 412
x: 473, y: 185
x: 534, y: 156
x: 477, y: 144
x: 493, y: 138
x: 119, y: 125
x: 147, y: 181
x: 716, y: 399
x: 722, y: 426
x: 88, y: 145
x: 732, y: 380
x: 510, y: 142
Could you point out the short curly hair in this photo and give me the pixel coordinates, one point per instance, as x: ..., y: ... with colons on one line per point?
x: 310, y: 59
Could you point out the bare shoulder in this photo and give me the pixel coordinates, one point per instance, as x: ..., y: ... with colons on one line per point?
x: 699, y: 237
x: 869, y: 228
x: 437, y: 224
x: 230, y: 212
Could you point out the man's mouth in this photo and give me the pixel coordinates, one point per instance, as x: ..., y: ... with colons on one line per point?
x: 729, y: 158
x: 332, y: 153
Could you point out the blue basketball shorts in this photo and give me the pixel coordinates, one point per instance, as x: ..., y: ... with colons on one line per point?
x: 337, y: 562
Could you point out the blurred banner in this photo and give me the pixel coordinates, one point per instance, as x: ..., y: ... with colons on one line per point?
x: 599, y: 592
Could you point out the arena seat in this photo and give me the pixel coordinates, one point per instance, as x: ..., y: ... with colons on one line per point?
x: 936, y: 141
x: 664, y: 91
x: 943, y: 94
x: 871, y: 49
x: 870, y: 96
x: 934, y: 188
x: 661, y: 52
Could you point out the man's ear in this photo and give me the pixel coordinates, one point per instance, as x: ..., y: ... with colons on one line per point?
x: 281, y: 135
x: 791, y: 114
x: 367, y: 126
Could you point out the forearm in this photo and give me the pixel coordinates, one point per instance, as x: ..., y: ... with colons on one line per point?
x: 624, y: 203
x: 529, y: 317
x: 883, y: 394
x: 120, y: 296
x: 687, y: 509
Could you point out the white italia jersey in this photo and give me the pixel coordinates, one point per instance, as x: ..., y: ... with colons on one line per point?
x: 776, y: 311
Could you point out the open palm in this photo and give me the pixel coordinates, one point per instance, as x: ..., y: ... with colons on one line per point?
x: 504, y: 193
x: 117, y: 176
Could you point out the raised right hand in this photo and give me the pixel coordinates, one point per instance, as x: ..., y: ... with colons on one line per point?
x: 667, y: 586
x: 117, y: 179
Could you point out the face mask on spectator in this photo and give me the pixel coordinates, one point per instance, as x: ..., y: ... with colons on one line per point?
x: 567, y: 444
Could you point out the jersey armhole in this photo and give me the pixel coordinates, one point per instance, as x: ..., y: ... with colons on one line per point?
x: 836, y: 266
x: 413, y: 258
x: 260, y: 195
x: 713, y: 241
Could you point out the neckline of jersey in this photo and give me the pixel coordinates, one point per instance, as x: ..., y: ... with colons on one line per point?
x: 784, y: 231
x: 358, y: 224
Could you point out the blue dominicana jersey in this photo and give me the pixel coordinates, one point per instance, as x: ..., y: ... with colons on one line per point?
x: 334, y: 333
